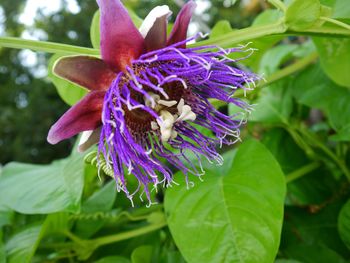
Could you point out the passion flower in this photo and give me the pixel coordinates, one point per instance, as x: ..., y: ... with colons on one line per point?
x: 149, y: 98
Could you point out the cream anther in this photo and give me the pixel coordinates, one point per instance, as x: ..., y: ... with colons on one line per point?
x: 166, y: 123
x: 185, y: 111
x: 167, y: 103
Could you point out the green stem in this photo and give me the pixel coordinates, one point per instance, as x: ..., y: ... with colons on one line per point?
x: 336, y: 22
x: 49, y: 47
x: 127, y: 235
x: 302, y: 171
x: 244, y: 35
x: 278, y: 4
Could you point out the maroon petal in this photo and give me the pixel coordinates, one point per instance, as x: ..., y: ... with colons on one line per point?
x: 154, y: 28
x: 120, y: 39
x: 83, y: 116
x: 179, y: 32
x: 89, y: 72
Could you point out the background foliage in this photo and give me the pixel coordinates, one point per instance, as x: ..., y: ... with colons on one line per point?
x: 283, y: 199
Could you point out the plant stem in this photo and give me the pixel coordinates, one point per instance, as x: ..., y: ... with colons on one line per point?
x: 127, y: 235
x: 49, y: 47
x: 244, y: 35
x: 302, y: 171
x: 336, y: 22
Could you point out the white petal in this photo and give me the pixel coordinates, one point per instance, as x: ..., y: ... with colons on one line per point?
x: 151, y: 18
x: 89, y: 138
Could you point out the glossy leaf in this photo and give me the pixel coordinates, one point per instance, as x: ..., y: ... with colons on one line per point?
x: 43, y: 188
x: 234, y: 217
x: 335, y: 58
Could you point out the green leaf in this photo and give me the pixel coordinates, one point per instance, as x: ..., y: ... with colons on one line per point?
x: 68, y: 91
x: 343, y: 134
x: 230, y: 218
x: 21, y: 247
x: 2, y: 250
x: 142, y: 254
x: 287, y: 261
x: 313, y: 253
x: 42, y: 189
x: 344, y: 224
x: 302, y: 14
x: 6, y: 216
x: 113, y: 259
x: 335, y: 58
x: 341, y: 9
x: 100, y: 201
x: 316, y: 226
x: 220, y: 28
x: 275, y: 104
x: 314, y: 89
x: 95, y: 30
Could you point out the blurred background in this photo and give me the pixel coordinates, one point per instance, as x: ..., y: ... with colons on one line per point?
x: 29, y: 103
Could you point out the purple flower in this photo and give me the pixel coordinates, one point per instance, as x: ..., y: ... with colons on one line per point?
x: 149, y: 98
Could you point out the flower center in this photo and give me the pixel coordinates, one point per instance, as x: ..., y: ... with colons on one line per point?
x: 168, y: 103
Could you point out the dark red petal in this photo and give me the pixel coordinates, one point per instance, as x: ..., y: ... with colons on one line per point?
x: 179, y: 32
x: 121, y: 41
x: 89, y: 72
x: 83, y: 116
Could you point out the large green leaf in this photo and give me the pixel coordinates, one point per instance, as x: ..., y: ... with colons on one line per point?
x: 41, y: 189
x: 233, y: 217
x: 335, y: 58
x: 21, y: 247
x: 68, y: 91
